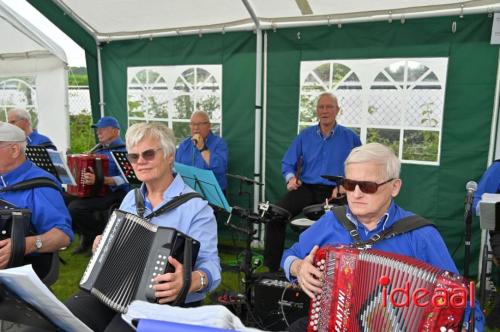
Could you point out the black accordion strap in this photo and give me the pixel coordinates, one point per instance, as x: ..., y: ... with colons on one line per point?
x: 99, y: 176
x: 175, y: 202
x: 404, y: 225
x: 17, y: 240
x: 32, y: 183
x: 187, y: 264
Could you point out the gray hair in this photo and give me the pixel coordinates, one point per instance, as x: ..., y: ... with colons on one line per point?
x: 328, y: 94
x: 376, y: 153
x: 22, y: 146
x: 201, y: 112
x: 21, y: 113
x: 139, y: 131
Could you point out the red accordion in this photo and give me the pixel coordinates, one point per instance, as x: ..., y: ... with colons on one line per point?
x: 81, y: 163
x: 372, y: 290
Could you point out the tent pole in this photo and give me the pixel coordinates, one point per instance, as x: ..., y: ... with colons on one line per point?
x: 99, y: 73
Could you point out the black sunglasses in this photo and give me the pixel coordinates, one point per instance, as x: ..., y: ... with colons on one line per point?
x: 147, y: 155
x: 367, y: 187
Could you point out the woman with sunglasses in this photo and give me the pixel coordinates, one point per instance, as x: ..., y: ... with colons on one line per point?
x: 371, y: 183
x: 151, y: 151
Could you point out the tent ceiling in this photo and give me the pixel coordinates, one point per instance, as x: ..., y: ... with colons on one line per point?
x: 131, y: 19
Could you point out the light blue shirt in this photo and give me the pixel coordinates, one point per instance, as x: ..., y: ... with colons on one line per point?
x: 187, y: 154
x: 194, y: 218
x: 320, y: 155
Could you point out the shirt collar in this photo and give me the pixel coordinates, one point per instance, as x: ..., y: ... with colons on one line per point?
x: 386, y: 221
x: 13, y: 175
x: 318, y: 131
x: 173, y: 190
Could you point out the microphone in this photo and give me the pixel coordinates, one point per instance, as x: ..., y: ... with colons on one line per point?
x: 471, y: 188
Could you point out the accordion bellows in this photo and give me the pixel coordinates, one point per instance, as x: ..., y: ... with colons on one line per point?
x: 375, y: 291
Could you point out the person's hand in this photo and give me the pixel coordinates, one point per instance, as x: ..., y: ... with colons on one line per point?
x: 97, y: 240
x: 293, y: 184
x: 169, y: 285
x: 308, y: 276
x: 89, y: 177
x: 5, y: 251
x: 199, y: 141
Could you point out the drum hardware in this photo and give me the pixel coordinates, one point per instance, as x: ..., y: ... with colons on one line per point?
x: 271, y: 212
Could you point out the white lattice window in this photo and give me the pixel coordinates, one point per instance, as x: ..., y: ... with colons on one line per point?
x: 18, y: 92
x: 171, y: 94
x: 397, y: 102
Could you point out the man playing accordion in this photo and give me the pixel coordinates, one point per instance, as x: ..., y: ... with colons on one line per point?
x: 50, y: 228
x: 371, y: 182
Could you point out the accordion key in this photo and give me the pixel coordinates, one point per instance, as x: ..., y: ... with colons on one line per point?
x: 81, y: 163
x: 373, y: 291
x: 131, y: 253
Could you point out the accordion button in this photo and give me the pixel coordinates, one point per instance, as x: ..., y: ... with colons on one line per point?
x: 311, y: 323
x: 156, y: 267
x: 150, y: 286
x: 157, y: 262
x: 159, y: 256
x: 164, y: 257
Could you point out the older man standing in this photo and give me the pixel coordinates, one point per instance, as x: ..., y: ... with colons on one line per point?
x: 50, y: 221
x: 203, y: 149
x: 317, y: 150
x: 21, y: 118
x: 371, y: 183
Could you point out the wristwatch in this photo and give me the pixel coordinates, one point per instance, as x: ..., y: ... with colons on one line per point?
x: 203, y: 281
x: 38, y: 243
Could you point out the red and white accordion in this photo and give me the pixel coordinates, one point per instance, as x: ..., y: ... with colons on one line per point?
x: 81, y: 163
x: 372, y: 290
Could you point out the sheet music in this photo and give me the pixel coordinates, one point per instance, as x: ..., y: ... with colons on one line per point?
x: 61, y: 167
x: 24, y: 282
x: 124, y: 166
x: 208, y: 315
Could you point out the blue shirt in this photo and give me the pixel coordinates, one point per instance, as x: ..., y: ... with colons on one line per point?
x: 35, y: 138
x: 425, y: 243
x: 113, y: 171
x: 321, y: 155
x: 489, y: 183
x: 46, y: 204
x: 194, y: 218
x: 188, y: 154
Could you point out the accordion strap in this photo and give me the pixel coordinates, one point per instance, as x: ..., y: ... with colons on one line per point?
x: 32, y: 183
x: 175, y: 202
x: 404, y: 225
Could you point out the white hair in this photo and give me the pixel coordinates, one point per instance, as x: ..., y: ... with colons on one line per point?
x: 330, y: 95
x: 21, y: 113
x: 139, y: 131
x: 378, y: 154
x: 202, y: 113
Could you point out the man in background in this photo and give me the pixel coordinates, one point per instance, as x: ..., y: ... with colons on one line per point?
x: 22, y: 119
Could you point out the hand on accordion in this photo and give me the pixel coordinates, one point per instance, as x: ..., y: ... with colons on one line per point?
x: 89, y: 177
x: 97, y: 240
x: 5, y: 252
x: 169, y: 285
x: 308, y: 276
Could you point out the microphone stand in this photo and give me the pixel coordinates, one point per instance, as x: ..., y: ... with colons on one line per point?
x: 467, y: 240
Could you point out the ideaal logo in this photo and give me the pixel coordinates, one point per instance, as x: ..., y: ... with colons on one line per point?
x: 421, y: 297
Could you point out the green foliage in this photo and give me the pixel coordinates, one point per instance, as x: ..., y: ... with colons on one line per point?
x: 82, y: 137
x: 78, y: 76
x: 388, y: 137
x: 420, y: 145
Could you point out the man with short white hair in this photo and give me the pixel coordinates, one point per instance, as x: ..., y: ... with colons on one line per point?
x: 371, y: 184
x: 50, y: 220
x: 22, y: 119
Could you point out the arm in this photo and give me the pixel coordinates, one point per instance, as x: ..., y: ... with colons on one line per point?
x: 489, y: 183
x: 289, y: 161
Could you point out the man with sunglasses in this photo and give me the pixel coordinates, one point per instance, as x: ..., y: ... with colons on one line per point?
x: 371, y: 183
x: 316, y: 151
x: 151, y: 151
x: 22, y: 119
x: 203, y: 149
x: 50, y: 221
x: 82, y: 209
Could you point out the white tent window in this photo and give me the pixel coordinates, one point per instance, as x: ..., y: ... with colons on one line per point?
x: 398, y: 102
x: 170, y: 94
x: 18, y: 92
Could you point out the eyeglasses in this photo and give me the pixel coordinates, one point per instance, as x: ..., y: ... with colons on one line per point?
x: 147, y: 155
x: 367, y: 187
x: 198, y: 124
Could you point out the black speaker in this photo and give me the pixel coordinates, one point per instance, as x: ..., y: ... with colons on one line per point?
x: 278, y: 303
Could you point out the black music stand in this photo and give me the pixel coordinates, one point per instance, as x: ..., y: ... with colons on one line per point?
x: 204, y: 182
x: 40, y: 157
x: 126, y: 170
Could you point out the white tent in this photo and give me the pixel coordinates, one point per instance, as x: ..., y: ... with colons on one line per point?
x: 27, y: 52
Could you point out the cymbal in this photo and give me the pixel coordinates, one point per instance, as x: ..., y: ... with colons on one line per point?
x: 334, y: 178
x: 244, y: 179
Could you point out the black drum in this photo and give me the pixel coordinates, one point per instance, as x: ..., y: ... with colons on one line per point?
x: 315, y: 211
x: 271, y: 212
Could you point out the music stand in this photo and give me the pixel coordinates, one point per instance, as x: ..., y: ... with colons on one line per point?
x: 40, y: 157
x: 126, y: 170
x: 204, y: 182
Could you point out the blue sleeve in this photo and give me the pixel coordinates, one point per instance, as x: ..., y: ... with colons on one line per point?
x: 204, y: 229
x: 219, y: 157
x: 49, y: 211
x: 489, y: 183
x: 289, y: 161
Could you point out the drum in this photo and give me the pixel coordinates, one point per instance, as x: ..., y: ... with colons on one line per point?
x: 271, y: 212
x: 315, y: 211
x: 301, y: 223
